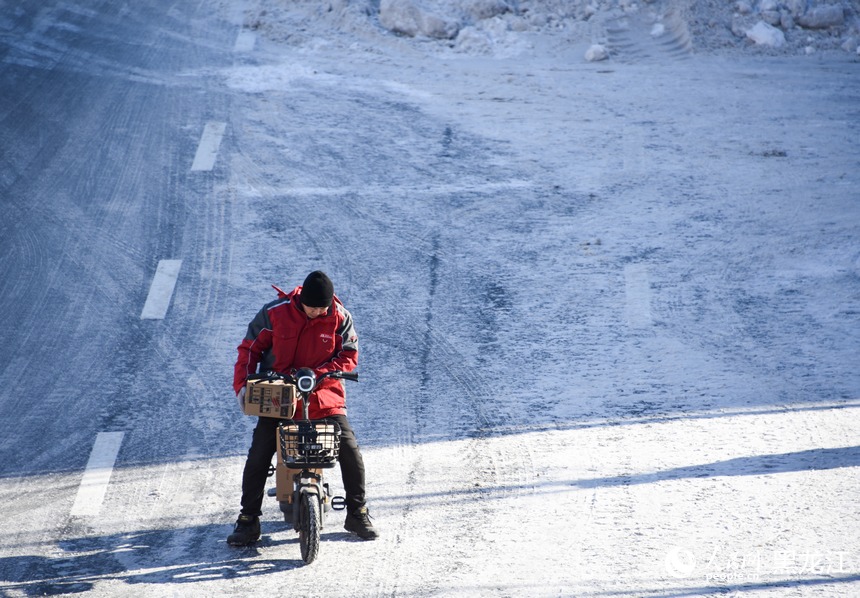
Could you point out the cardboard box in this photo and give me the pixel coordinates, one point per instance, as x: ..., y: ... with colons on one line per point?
x: 284, y: 477
x: 270, y: 399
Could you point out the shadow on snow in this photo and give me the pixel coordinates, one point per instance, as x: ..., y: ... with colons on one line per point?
x: 810, y: 460
x: 164, y: 556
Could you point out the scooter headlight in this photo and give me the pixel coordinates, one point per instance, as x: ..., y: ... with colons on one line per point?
x: 306, y: 379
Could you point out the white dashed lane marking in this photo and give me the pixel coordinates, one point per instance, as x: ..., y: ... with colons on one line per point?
x: 161, y: 290
x: 245, y: 41
x: 97, y: 474
x: 207, y: 149
x: 637, y: 284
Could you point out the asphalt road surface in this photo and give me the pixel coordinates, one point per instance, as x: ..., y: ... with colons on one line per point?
x: 607, y: 312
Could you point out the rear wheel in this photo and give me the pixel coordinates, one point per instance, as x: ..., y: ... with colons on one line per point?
x: 309, y: 534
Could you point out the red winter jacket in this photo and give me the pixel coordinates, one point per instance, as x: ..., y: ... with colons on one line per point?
x: 282, y: 337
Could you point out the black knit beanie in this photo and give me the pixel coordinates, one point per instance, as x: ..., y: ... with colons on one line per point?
x: 317, y: 290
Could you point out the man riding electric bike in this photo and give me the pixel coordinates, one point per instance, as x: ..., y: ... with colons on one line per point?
x: 306, y: 328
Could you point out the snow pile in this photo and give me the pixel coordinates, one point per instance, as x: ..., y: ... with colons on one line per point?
x: 823, y: 24
x: 790, y: 25
x: 596, y: 52
x: 820, y: 17
x: 409, y: 18
x: 766, y: 35
x: 504, y: 28
x: 437, y: 20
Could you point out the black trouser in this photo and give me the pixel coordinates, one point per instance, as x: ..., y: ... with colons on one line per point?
x: 263, y: 447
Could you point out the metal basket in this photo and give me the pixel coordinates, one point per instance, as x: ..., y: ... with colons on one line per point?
x: 309, y: 444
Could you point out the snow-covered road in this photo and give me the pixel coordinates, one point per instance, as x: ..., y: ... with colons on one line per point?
x: 608, y: 311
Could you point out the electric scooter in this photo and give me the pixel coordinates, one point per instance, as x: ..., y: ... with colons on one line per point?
x: 305, y: 449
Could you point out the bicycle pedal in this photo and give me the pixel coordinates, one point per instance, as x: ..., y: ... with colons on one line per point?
x: 338, y: 503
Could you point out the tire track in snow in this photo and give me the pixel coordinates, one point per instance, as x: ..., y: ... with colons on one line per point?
x: 438, y: 426
x: 449, y: 404
x: 637, y: 39
x: 490, y: 473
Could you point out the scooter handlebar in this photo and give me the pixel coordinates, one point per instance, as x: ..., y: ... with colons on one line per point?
x: 345, y: 375
x: 270, y: 376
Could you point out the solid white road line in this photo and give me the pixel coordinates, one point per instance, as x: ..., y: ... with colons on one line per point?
x: 207, y: 149
x: 91, y: 492
x: 637, y: 285
x: 245, y: 41
x: 161, y: 290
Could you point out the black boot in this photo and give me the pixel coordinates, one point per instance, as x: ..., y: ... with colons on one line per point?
x: 247, y: 531
x: 358, y: 522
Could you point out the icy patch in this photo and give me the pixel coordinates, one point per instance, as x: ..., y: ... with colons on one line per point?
x: 257, y: 79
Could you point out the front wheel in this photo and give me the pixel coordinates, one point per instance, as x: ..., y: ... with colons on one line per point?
x: 309, y: 532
